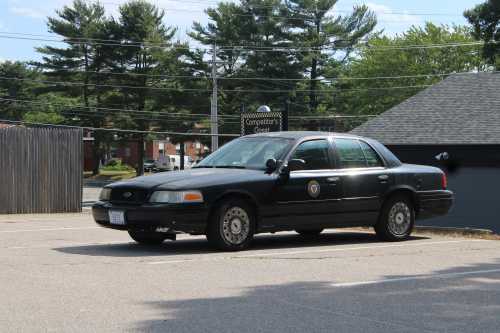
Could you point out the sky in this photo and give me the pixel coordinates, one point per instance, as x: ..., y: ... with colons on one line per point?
x: 29, y: 17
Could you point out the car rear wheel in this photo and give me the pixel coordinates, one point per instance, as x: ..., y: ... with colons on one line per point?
x: 312, y: 232
x: 146, y: 238
x: 231, y: 226
x: 396, y: 219
x: 176, y: 168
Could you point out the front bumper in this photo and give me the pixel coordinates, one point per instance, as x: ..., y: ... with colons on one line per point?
x: 183, y: 217
x: 434, y: 203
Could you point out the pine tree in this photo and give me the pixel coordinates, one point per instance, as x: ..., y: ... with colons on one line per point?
x: 83, y: 62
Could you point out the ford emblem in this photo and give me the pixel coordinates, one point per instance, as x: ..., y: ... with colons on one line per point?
x: 127, y: 194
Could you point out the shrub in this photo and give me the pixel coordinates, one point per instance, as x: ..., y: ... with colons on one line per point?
x: 114, y: 162
x: 116, y: 165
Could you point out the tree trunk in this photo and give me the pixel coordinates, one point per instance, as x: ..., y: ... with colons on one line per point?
x: 140, y: 156
x: 96, y: 161
x: 312, y: 86
x: 182, y: 155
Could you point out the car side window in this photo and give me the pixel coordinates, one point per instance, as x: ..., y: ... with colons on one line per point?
x: 315, y: 153
x: 372, y: 158
x: 351, y: 155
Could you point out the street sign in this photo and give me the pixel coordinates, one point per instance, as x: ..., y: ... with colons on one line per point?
x: 261, y: 122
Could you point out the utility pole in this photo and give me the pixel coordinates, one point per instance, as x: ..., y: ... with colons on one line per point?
x: 215, y: 129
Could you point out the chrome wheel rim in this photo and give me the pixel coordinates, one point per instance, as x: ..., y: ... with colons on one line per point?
x: 399, y: 218
x: 235, y: 225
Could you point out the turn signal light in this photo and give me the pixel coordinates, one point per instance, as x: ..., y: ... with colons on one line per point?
x: 192, y: 196
x: 444, y: 181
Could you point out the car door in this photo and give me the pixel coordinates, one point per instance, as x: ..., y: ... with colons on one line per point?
x: 311, y: 196
x: 365, y: 179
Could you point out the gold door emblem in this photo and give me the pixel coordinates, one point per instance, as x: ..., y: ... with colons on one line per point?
x: 313, y: 188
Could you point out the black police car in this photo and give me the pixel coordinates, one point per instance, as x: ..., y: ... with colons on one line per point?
x: 302, y: 181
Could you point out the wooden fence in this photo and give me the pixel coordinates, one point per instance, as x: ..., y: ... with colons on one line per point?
x: 41, y: 170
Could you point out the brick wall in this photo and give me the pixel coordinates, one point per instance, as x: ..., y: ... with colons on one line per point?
x: 152, y: 151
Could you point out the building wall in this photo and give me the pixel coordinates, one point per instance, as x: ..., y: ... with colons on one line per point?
x: 152, y: 151
x: 476, y: 200
x: 472, y: 174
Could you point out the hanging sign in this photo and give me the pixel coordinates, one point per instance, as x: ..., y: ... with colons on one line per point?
x: 261, y: 122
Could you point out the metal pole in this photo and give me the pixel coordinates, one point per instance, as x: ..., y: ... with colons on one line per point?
x: 215, y: 129
x: 285, y: 116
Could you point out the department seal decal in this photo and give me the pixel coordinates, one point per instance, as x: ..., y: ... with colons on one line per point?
x: 313, y: 188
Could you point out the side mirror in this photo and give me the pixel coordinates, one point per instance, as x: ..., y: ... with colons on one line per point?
x: 295, y: 165
x: 272, y: 164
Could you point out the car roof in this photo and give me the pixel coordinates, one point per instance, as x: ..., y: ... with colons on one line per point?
x: 303, y: 134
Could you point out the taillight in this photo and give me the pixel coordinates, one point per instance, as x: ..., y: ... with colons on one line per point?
x: 169, y: 159
x: 444, y: 181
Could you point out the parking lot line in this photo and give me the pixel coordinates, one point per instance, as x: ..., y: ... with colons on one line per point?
x: 412, y: 278
x: 11, y: 231
x: 322, y: 250
x: 36, y: 220
x: 71, y: 244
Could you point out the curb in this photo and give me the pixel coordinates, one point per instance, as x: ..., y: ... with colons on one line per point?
x: 449, y: 230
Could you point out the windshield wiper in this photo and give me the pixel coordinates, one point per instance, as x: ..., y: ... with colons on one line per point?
x: 201, y: 166
x: 231, y: 166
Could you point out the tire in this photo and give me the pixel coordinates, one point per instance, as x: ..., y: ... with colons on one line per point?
x: 176, y: 168
x: 231, y: 226
x: 396, y: 220
x: 146, y: 238
x: 312, y: 232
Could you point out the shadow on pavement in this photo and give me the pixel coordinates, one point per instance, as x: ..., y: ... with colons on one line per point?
x: 459, y: 303
x: 186, y: 246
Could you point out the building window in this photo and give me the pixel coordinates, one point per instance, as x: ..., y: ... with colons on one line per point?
x: 198, y: 148
x: 112, y: 153
x: 161, y: 148
x: 177, y: 149
x: 127, y: 151
x: 203, y: 131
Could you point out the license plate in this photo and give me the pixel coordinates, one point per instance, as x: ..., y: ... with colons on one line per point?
x: 116, y: 217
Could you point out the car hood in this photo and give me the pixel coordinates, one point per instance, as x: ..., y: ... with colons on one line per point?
x: 200, y: 176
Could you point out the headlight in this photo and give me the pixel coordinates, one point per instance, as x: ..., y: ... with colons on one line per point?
x: 176, y: 197
x: 105, y: 193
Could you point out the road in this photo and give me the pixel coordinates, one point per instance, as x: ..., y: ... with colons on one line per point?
x: 62, y: 273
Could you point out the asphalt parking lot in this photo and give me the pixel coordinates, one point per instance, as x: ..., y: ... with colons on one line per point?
x: 62, y: 273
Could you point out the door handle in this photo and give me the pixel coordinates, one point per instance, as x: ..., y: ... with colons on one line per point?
x: 333, y: 180
x: 383, y: 177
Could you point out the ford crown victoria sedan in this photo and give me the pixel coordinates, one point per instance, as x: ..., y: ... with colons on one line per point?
x: 302, y: 181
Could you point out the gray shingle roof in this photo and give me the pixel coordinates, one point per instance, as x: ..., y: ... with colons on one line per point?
x: 461, y: 109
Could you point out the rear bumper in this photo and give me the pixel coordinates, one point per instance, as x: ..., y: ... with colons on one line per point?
x: 434, y: 203
x: 186, y: 217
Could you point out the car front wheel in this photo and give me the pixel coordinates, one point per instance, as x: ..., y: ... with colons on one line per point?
x: 231, y: 226
x: 396, y: 219
x: 146, y: 238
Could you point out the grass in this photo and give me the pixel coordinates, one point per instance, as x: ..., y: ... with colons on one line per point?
x: 112, y: 175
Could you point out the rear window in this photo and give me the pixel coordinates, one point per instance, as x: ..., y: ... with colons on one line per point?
x: 351, y: 155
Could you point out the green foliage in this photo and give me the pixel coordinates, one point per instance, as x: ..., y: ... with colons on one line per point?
x: 124, y: 167
x: 485, y: 19
x: 115, y: 84
x: 115, y: 164
x: 414, y: 66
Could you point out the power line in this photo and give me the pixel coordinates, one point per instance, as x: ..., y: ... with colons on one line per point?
x: 264, y: 16
x: 107, y: 109
x: 93, y: 129
x: 113, y: 116
x: 207, y: 90
x: 250, y: 48
x: 261, y: 78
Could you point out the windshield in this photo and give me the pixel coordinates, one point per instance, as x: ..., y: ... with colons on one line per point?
x: 149, y: 161
x: 249, y: 153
